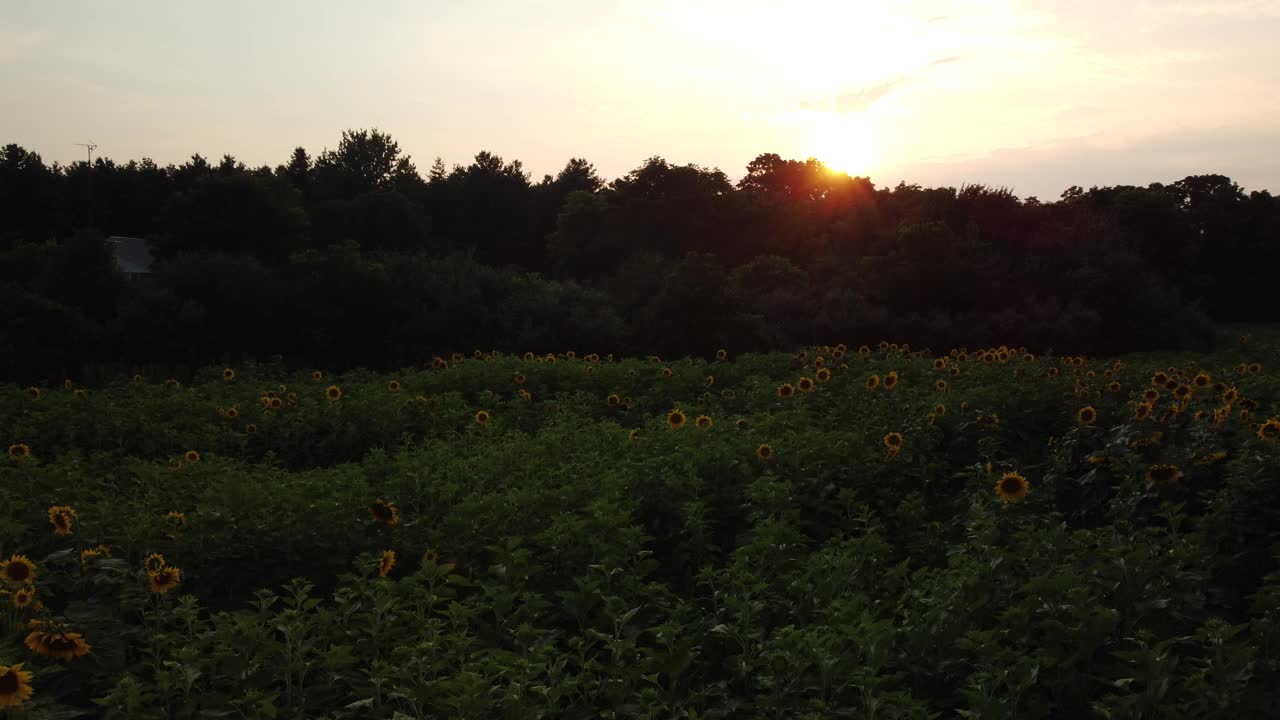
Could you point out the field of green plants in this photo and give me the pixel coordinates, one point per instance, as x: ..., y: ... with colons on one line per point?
x: 843, y: 532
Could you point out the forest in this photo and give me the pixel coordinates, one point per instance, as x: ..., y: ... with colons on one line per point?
x: 353, y: 258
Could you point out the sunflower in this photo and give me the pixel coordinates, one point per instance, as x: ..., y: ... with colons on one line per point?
x: 18, y: 570
x: 19, y: 451
x: 22, y: 597
x: 164, y: 579
x: 276, y: 403
x: 939, y: 410
x: 989, y: 421
x: 633, y: 435
x: 525, y: 394
x: 1142, y: 411
x: 740, y: 424
x: 939, y: 363
x: 439, y: 363
x: 884, y: 345
x: 655, y: 360
x: 804, y: 384
x: 457, y: 358
x: 177, y: 519
x: 233, y: 413
x: 1087, y: 415
x: 765, y: 452
x: 1182, y: 392
x: 154, y: 563
x: 873, y: 382
x: 1052, y: 373
x: 228, y: 374
x: 675, y: 419
x: 703, y: 422
x: 15, y: 686
x: 1212, y: 457
x: 1012, y: 487
x: 34, y: 392
x: 394, y: 386
x: 1270, y: 430
x: 893, y: 441
x: 711, y: 380
x: 333, y: 392
x: 728, y: 394
x: 1163, y: 474
x: 1254, y: 368
x: 1150, y: 395
x: 666, y: 372
x: 1230, y: 395
x: 430, y: 556
x: 99, y: 551
x: 191, y: 456
x: 384, y: 512
x: 386, y: 563
x: 519, y: 379
x: 1114, y: 387
x: 819, y: 362
x: 1028, y: 358
x: 822, y: 376
x: 786, y: 390
x: 63, y: 519
x: 891, y: 380
x: 77, y: 393
x: 58, y: 645
x: 1100, y: 459
x: 482, y: 417
x: 1202, y: 379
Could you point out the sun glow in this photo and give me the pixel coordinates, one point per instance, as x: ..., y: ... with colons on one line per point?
x: 844, y: 143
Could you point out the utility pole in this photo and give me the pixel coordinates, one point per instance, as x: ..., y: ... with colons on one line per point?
x: 89, y: 148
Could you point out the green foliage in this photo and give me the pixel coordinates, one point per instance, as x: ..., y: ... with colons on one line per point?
x: 547, y: 565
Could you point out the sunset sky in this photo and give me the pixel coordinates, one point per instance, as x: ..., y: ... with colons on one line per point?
x: 1032, y: 95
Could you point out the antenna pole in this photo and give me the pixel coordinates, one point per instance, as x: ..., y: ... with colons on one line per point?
x: 89, y: 148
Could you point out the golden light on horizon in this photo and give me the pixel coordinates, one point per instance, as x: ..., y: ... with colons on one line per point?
x: 844, y: 143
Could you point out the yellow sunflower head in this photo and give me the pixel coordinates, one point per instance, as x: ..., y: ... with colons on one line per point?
x: 394, y: 386
x: 63, y: 519
x: 804, y: 384
x: 722, y: 355
x: 386, y: 563
x: 1114, y: 387
x: 154, y: 563
x: 164, y: 579
x: 317, y: 375
x: 18, y: 570
x: 384, y: 512
x: 786, y: 390
x: 940, y: 363
x: 1254, y: 368
x: 276, y: 403
x: 703, y: 422
x: 439, y: 363
x: 891, y: 380
x: 765, y: 452
x: 34, y: 392
x: 19, y: 451
x: 613, y: 400
x: 177, y: 519
x: 1087, y: 415
x: 482, y: 417
x: 728, y: 394
x: 666, y: 372
x: 893, y: 441
x: 1270, y: 430
x: 24, y: 596
x: 940, y: 385
x: 873, y: 382
x: 740, y: 423
x: 1142, y: 411
x: 675, y: 419
x: 228, y: 374
x: 1012, y: 487
x: 191, y: 456
x: 1202, y: 379
x: 633, y: 435
x: 15, y: 686
x: 709, y: 381
x: 823, y: 375
x: 939, y: 410
x: 233, y: 413
x: 519, y: 379
x: 430, y: 556
x: 1163, y: 474
x: 333, y: 392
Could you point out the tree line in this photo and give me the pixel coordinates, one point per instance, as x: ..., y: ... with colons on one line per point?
x: 355, y: 257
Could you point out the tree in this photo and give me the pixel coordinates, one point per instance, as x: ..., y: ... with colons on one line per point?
x: 246, y: 214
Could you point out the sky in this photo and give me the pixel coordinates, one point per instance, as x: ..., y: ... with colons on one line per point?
x: 1030, y: 95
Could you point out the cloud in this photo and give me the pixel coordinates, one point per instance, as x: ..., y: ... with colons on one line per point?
x: 17, y: 43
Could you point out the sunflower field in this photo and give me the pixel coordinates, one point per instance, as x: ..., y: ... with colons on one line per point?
x: 843, y: 532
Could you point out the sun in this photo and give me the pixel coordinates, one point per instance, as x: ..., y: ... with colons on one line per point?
x: 844, y: 144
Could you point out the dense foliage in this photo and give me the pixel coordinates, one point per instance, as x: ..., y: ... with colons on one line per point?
x: 353, y: 258
x: 876, y: 532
